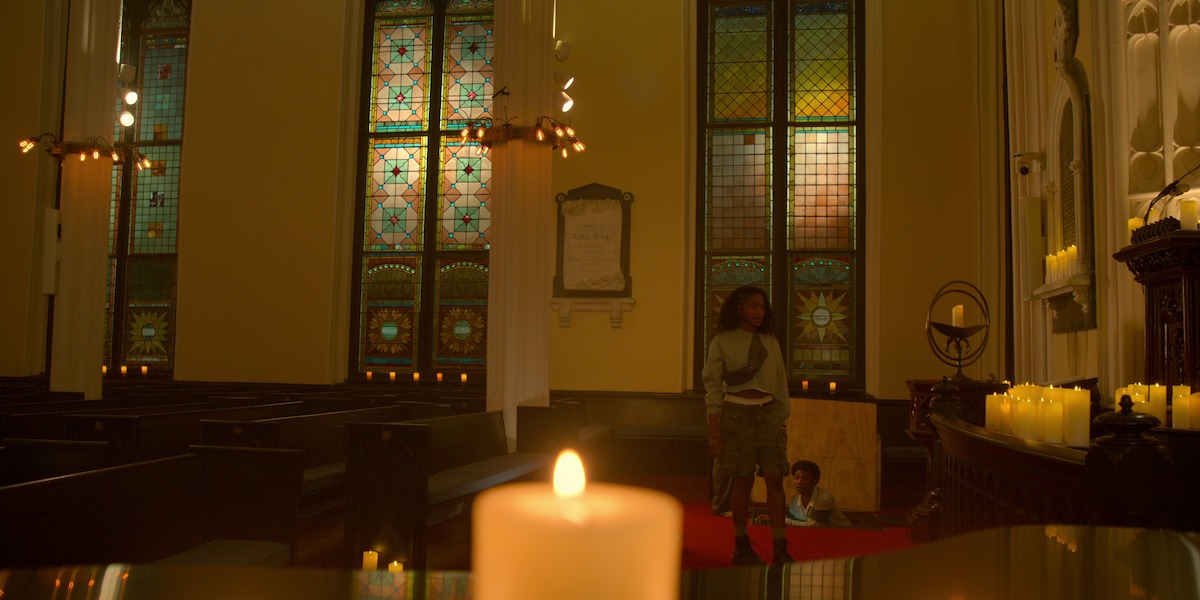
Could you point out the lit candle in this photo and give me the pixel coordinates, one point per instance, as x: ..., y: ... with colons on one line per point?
x: 1006, y: 422
x: 1063, y: 263
x: 1187, y: 214
x: 804, y: 385
x: 1077, y: 417
x: 370, y: 560
x: 833, y: 386
x: 1158, y: 403
x: 1194, y: 409
x: 991, y: 412
x: 439, y: 377
x: 369, y: 374
x: 1072, y: 260
x: 956, y: 315
x: 416, y: 377
x: 396, y: 567
x: 124, y: 370
x: 1051, y: 267
x: 535, y: 540
x: 1135, y: 223
x: 463, y: 377
x: 145, y: 370
x: 104, y: 369
x: 1181, y: 415
x: 391, y: 375
x: 1051, y: 421
x: 1025, y: 419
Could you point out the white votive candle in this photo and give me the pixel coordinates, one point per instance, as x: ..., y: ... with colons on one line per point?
x: 370, y: 560
x: 537, y: 541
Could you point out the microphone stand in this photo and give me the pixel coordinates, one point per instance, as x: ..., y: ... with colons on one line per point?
x: 1172, y: 190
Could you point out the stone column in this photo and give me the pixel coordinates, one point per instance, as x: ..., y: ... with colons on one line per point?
x: 88, y: 111
x: 522, y: 252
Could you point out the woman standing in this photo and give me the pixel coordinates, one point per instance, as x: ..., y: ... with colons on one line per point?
x: 747, y: 405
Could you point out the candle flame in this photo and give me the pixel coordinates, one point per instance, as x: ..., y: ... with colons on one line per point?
x: 569, y: 479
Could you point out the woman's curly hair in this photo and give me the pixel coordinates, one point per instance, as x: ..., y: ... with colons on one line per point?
x: 728, y: 318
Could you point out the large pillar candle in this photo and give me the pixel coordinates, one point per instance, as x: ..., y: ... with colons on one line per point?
x: 1051, y: 421
x: 537, y: 541
x: 991, y: 412
x: 1005, y: 414
x: 1025, y: 419
x: 1181, y: 414
x: 956, y: 315
x: 1077, y: 417
x: 1158, y: 403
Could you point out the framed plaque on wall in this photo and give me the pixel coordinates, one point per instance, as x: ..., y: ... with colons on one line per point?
x: 593, y: 243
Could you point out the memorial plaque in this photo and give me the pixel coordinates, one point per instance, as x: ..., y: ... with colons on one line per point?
x: 593, y: 242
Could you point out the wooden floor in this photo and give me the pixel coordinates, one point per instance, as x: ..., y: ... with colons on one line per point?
x: 903, y: 485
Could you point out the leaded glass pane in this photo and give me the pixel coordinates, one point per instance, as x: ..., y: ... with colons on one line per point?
x: 162, y: 77
x: 110, y: 288
x: 391, y: 299
x: 464, y: 6
x: 739, y: 190
x: 461, y: 337
x: 150, y: 310
x: 724, y: 274
x: 155, y: 210
x: 823, y: 317
x: 400, y: 75
x: 823, y: 188
x: 403, y: 7
x: 466, y: 218
x: 821, y: 69
x: 470, y: 47
x: 395, y: 193
x: 740, y: 63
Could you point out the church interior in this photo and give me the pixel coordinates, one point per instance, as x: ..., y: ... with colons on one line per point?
x: 469, y: 234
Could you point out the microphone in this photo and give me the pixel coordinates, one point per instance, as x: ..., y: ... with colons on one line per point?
x: 1173, y: 189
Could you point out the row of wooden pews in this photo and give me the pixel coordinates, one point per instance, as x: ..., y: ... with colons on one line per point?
x: 182, y: 473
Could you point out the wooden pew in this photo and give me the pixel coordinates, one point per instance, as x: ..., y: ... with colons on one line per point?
x: 320, y: 436
x: 233, y: 506
x: 398, y: 473
x: 142, y: 437
x: 32, y: 459
x: 48, y: 423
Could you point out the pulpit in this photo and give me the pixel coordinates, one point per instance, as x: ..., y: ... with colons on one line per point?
x: 1168, y: 267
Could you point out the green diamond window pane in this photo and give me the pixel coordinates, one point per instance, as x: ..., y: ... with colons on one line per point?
x: 740, y: 65
x: 823, y: 189
x: 725, y: 274
x: 821, y: 68
x: 395, y: 188
x: 739, y: 197
x: 462, y: 314
x: 824, y: 317
x: 400, y: 73
x: 150, y: 309
x: 154, y: 215
x: 466, y: 216
x: 391, y: 296
x: 162, y: 76
x: 470, y: 48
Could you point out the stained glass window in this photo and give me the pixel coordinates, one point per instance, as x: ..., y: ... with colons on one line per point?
x: 779, y: 204
x: 144, y: 207
x: 422, y: 261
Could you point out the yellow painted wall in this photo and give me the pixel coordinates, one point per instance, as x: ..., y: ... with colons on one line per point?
x: 22, y: 306
x: 264, y: 200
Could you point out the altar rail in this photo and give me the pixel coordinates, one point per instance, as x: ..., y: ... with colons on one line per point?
x: 989, y: 479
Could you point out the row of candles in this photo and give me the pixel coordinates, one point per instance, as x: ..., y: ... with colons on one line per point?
x: 416, y: 377
x: 1063, y: 416
x: 1062, y: 264
x: 1189, y: 216
x: 124, y: 370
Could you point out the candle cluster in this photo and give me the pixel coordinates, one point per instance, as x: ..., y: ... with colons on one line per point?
x: 1062, y: 264
x: 1152, y: 400
x: 1046, y: 414
x: 416, y: 377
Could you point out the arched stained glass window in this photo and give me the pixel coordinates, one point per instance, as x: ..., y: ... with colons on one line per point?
x: 779, y: 174
x: 421, y: 287
x: 144, y: 209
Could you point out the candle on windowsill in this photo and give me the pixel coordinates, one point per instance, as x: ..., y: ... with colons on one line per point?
x: 145, y: 370
x: 416, y: 377
x: 391, y: 375
x: 439, y: 377
x: 395, y: 567
x: 832, y: 386
x: 463, y: 377
x: 124, y: 370
x: 575, y: 540
x: 104, y: 369
x: 1072, y: 260
x: 956, y: 315
x: 804, y: 385
x: 369, y: 375
x: 370, y: 560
